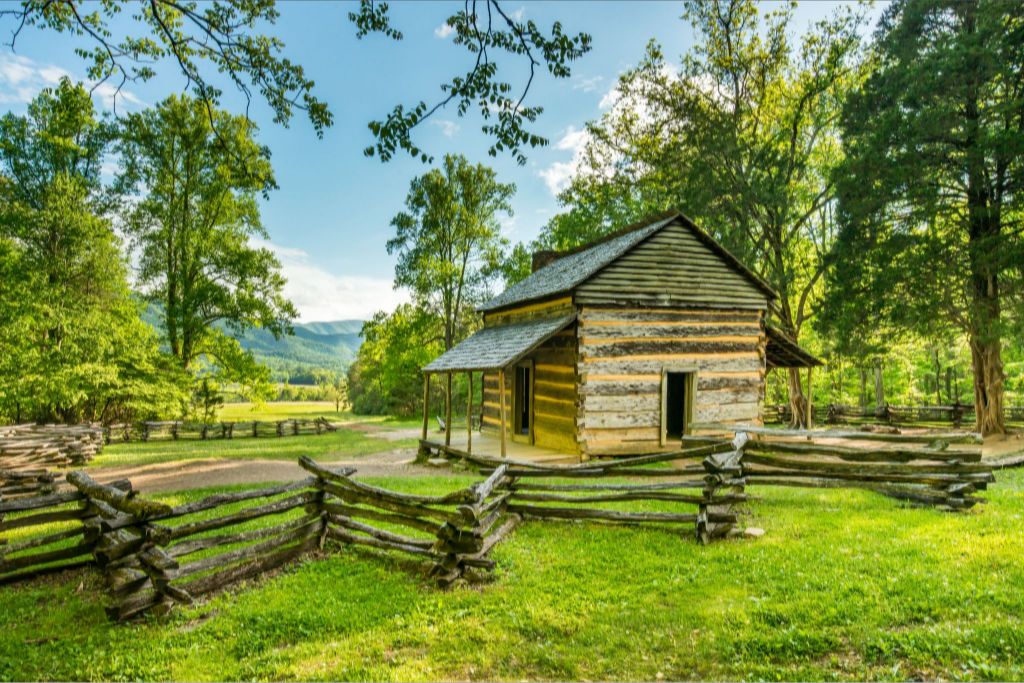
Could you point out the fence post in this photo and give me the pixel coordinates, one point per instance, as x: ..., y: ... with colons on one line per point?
x: 725, y: 470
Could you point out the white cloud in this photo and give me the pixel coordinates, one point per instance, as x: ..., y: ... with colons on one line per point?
x: 610, y: 98
x: 448, y: 128
x: 21, y: 79
x: 443, y: 31
x: 518, y: 14
x: 322, y: 296
x: 558, y: 175
x: 588, y: 84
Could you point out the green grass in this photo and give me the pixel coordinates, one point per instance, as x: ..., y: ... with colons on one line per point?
x: 845, y: 585
x: 286, y: 410
x: 330, y: 446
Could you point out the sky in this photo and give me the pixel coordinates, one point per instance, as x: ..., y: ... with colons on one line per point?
x: 329, y: 221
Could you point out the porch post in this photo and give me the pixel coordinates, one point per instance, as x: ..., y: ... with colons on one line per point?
x: 426, y: 400
x: 469, y: 414
x: 501, y: 403
x: 448, y: 412
x: 810, y: 399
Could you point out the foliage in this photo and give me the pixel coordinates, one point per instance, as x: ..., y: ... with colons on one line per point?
x: 449, y: 242
x: 224, y: 40
x: 480, y: 31
x: 385, y: 378
x: 334, y: 386
x: 845, y: 585
x: 930, y: 190
x: 193, y: 229
x: 74, y: 345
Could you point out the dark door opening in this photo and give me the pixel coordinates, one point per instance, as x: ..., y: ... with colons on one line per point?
x: 676, y: 403
x: 522, y: 400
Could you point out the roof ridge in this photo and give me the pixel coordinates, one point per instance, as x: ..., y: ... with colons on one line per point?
x: 632, y: 227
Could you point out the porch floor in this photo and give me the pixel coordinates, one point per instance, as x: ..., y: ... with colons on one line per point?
x: 488, y: 443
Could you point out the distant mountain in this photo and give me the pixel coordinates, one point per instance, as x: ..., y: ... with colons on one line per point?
x: 330, y: 345
x: 320, y: 345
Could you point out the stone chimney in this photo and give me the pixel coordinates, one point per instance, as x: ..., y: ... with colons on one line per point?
x: 543, y: 258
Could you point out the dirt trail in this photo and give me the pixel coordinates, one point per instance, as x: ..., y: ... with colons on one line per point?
x: 200, y: 473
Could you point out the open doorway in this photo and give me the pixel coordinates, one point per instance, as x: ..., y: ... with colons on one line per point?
x: 522, y: 403
x: 677, y: 405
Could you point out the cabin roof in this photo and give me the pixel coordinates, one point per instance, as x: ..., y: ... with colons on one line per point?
x: 575, y: 267
x: 782, y: 351
x: 493, y: 348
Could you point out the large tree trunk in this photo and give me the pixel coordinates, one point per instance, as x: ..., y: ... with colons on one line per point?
x: 986, y: 356
x: 879, y: 391
x: 797, y: 400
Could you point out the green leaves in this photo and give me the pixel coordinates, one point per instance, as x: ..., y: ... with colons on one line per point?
x: 481, y: 29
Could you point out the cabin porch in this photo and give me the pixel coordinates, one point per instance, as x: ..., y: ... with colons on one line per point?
x: 488, y: 444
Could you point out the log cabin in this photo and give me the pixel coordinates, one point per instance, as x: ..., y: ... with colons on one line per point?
x: 620, y: 347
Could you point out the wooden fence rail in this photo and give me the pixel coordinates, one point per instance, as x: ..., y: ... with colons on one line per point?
x: 834, y: 413
x: 32, y: 446
x: 177, y: 430
x: 935, y: 469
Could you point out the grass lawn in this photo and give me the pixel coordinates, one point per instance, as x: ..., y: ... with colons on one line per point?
x: 286, y: 410
x: 845, y: 584
x: 329, y: 446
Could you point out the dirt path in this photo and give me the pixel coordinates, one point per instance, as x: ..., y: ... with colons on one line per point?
x: 201, y: 473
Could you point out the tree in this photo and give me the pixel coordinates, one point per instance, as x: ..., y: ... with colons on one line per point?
x: 192, y: 229
x: 385, y: 377
x: 741, y: 137
x: 930, y: 189
x: 334, y: 386
x: 74, y: 345
x: 449, y: 242
x: 222, y: 37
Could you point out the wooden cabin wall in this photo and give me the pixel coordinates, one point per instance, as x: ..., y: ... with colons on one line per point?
x: 623, y: 351
x: 544, y: 309
x: 554, y: 398
x: 671, y: 268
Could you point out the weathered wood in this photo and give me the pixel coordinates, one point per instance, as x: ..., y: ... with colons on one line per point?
x: 220, y: 499
x: 188, y: 547
x: 226, y: 577
x: 116, y: 498
x: 39, y: 541
x: 412, y: 522
x: 521, y: 485
x: 948, y: 437
x: 460, y: 496
x: 10, y: 564
x: 348, y: 537
x: 426, y: 404
x: 760, y: 458
x: 341, y: 476
x: 381, y: 534
x: 273, y: 508
x: 310, y: 529
x: 726, y: 498
x: 43, y: 518
x: 391, y: 503
x: 609, y: 515
x: 36, y: 502
x: 854, y: 454
x: 503, y: 417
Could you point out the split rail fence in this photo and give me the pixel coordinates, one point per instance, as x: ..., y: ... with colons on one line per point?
x: 177, y: 430
x: 834, y: 413
x: 154, y: 556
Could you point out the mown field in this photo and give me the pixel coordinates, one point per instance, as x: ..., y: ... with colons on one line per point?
x: 358, y: 435
x: 844, y: 585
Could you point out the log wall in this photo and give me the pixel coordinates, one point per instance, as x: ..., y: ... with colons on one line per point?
x: 672, y: 268
x: 624, y: 351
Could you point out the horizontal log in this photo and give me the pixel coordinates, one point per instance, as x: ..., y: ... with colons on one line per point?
x: 348, y: 537
x: 855, y: 454
x: 354, y: 495
x: 609, y: 515
x: 10, y: 564
x: 947, y: 437
x: 310, y: 529
x: 751, y: 455
x: 43, y: 518
x: 381, y: 516
x: 262, y: 565
x: 456, y: 497
x: 753, y: 472
x: 34, y: 503
x: 893, y: 491
x: 318, y: 470
x: 273, y: 508
x: 39, y: 541
x: 195, y: 545
x: 382, y: 534
x: 220, y: 499
x: 116, y: 498
x: 727, y: 498
x: 526, y: 485
x: 42, y: 571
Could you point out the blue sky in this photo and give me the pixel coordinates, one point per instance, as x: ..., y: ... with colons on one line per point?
x: 329, y: 220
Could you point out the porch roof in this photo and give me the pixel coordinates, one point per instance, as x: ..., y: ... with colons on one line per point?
x: 493, y: 348
x: 783, y: 352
